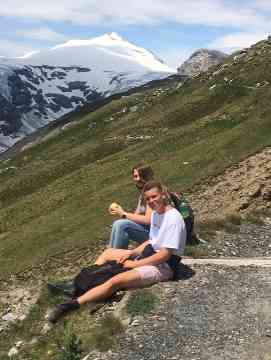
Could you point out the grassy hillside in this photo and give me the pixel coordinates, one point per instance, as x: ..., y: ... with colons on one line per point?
x: 54, y: 196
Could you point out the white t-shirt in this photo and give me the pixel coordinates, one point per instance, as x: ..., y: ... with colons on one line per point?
x: 168, y: 231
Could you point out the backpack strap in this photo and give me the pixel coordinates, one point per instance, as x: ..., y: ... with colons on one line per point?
x: 179, y: 202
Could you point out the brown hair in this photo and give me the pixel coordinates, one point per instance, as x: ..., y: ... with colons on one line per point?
x: 145, y: 171
x: 153, y: 184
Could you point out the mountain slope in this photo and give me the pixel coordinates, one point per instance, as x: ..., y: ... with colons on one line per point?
x: 54, y: 196
x: 40, y: 88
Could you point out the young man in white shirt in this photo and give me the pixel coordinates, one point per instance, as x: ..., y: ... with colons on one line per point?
x: 167, y: 239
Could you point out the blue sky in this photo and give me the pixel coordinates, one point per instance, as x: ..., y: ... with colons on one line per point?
x: 172, y: 29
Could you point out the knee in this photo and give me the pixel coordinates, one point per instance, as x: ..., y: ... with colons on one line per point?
x: 115, y: 283
x: 105, y: 254
x: 119, y: 224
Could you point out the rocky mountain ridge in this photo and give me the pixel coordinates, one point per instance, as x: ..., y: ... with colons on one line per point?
x: 200, y: 61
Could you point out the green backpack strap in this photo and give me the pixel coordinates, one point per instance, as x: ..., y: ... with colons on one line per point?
x: 180, y: 203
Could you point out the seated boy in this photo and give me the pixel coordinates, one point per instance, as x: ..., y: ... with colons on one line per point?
x: 167, y: 238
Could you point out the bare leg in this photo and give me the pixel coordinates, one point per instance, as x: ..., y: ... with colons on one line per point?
x: 129, y: 279
x: 110, y: 254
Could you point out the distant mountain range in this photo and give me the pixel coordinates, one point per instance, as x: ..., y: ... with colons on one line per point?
x: 43, y: 86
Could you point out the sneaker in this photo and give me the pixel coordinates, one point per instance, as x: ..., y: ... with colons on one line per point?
x: 62, y: 310
x: 62, y: 288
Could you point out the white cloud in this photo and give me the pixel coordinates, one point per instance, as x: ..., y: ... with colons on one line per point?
x: 261, y: 4
x: 13, y: 49
x: 42, y: 33
x: 239, y: 15
x: 206, y: 12
x: 236, y: 41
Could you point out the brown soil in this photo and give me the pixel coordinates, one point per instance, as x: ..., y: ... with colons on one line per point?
x: 240, y: 189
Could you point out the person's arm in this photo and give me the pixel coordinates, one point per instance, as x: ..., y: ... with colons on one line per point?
x: 139, y: 218
x: 134, y: 252
x: 160, y: 257
x: 133, y: 216
x: 139, y: 249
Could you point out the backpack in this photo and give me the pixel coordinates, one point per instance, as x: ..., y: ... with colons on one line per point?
x: 178, y: 201
x: 95, y: 275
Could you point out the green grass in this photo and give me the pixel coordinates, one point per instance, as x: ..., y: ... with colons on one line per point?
x: 70, y: 345
x: 69, y: 339
x: 142, y: 302
x: 104, y: 336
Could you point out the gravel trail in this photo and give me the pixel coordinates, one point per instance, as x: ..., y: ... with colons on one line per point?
x: 219, y: 313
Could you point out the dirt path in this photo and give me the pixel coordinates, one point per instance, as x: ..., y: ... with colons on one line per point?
x: 220, y: 313
x: 232, y: 262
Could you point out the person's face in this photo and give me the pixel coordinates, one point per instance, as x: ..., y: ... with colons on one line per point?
x: 139, y: 183
x: 155, y: 200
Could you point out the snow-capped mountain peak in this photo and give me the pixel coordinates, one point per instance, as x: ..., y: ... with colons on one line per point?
x: 104, y: 40
x: 108, y: 51
x: 42, y: 86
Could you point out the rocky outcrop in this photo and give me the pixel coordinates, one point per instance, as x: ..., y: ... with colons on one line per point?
x: 200, y: 61
x: 240, y: 189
